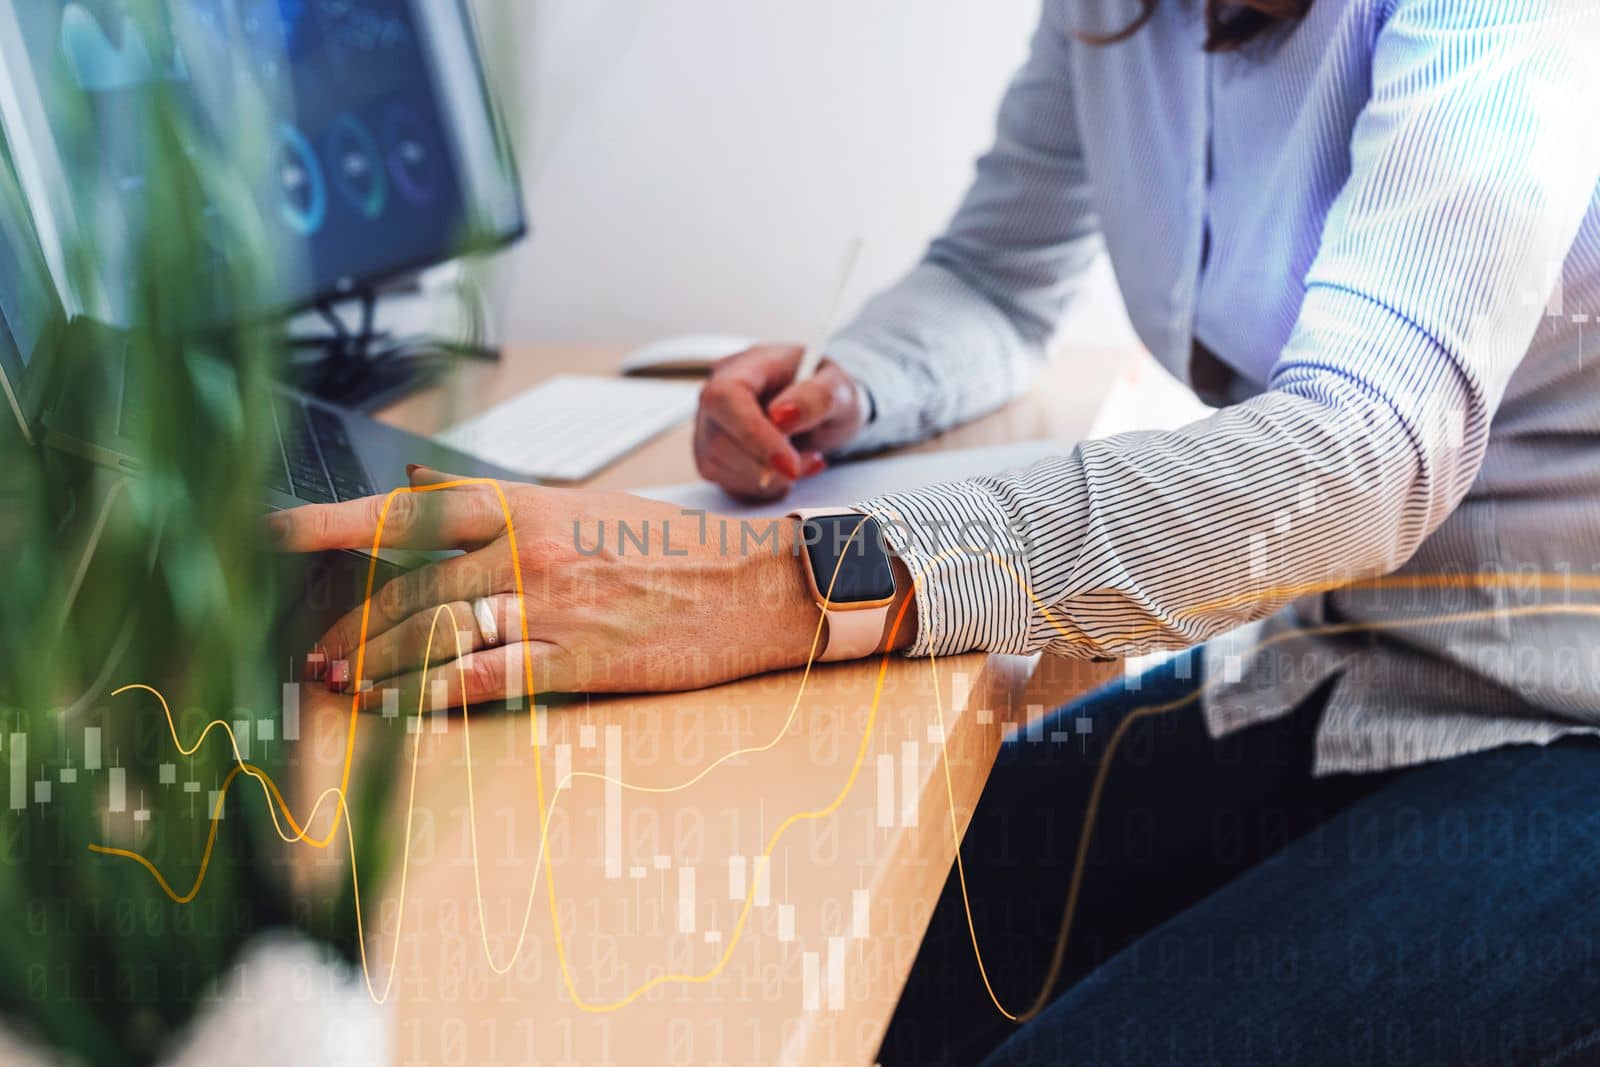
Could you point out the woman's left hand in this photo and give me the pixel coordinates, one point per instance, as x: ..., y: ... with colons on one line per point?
x: 618, y: 593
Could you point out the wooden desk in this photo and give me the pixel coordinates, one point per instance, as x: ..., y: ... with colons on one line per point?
x: 796, y: 957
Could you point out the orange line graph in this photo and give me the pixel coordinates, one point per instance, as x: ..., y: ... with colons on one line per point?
x: 298, y: 832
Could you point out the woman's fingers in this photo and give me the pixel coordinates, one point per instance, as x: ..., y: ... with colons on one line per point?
x: 434, y: 636
x: 457, y: 579
x: 777, y: 427
x: 721, y: 461
x: 479, y: 677
x: 733, y: 399
x: 438, y: 634
x: 421, y: 476
x: 406, y: 518
x: 828, y: 396
x: 764, y: 369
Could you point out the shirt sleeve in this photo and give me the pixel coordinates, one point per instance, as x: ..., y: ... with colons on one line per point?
x: 966, y: 330
x: 1473, y: 165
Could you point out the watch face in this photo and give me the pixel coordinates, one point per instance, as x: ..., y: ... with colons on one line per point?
x: 848, y: 552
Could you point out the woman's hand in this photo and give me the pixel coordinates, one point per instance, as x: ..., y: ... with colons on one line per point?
x: 759, y: 431
x: 619, y: 593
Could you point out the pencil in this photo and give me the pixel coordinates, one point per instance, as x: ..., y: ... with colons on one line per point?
x: 811, y: 358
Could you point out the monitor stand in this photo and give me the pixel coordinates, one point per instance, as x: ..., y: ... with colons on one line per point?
x: 364, y: 368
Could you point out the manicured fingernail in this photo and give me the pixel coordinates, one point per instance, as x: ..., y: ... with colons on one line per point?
x: 785, y: 465
x: 784, y: 415
x: 316, y: 665
x: 412, y: 468
x: 814, y: 465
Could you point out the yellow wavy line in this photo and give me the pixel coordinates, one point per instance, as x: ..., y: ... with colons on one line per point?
x: 546, y: 812
x: 340, y: 792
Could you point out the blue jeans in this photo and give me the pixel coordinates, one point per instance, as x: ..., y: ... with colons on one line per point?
x: 1236, y: 910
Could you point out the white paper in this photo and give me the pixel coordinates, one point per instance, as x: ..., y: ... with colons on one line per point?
x: 848, y: 483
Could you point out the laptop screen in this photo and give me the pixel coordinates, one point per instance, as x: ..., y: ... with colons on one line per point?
x: 28, y: 303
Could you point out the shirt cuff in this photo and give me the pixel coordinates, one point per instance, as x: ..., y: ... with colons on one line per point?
x: 969, y: 567
x: 893, y: 420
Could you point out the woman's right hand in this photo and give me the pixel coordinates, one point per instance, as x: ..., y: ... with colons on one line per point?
x: 758, y: 431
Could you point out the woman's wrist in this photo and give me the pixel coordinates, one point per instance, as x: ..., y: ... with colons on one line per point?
x: 788, y: 616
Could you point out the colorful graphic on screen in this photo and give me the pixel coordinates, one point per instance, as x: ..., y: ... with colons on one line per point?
x: 357, y: 168
x: 363, y: 176
x: 413, y: 164
x: 302, y: 186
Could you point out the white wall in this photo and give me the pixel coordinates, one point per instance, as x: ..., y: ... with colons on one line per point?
x: 701, y: 164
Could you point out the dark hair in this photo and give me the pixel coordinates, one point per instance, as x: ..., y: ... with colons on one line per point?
x: 1230, y: 24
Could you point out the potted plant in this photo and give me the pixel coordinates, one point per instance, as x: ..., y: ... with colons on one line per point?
x: 125, y: 910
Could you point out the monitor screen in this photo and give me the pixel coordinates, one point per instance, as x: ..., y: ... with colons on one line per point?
x: 28, y: 304
x: 375, y: 149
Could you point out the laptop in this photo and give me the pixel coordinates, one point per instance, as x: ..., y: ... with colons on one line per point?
x: 324, y: 454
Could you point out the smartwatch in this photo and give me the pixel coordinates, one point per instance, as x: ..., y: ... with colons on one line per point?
x: 850, y: 576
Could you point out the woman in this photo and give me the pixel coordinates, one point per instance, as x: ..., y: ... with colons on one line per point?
x: 1369, y: 230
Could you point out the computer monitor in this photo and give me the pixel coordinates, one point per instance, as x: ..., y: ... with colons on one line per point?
x: 380, y: 150
x: 30, y: 315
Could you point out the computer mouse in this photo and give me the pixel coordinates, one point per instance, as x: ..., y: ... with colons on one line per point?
x: 692, y: 353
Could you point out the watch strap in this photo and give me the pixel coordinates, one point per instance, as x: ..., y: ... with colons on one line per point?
x: 854, y: 634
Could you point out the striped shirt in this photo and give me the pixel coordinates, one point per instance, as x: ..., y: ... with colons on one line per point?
x: 1384, y: 222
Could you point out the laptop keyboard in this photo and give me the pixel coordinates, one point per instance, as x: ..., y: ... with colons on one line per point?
x: 319, y: 461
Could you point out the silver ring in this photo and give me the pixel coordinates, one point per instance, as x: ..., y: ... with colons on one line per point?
x: 487, y: 626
